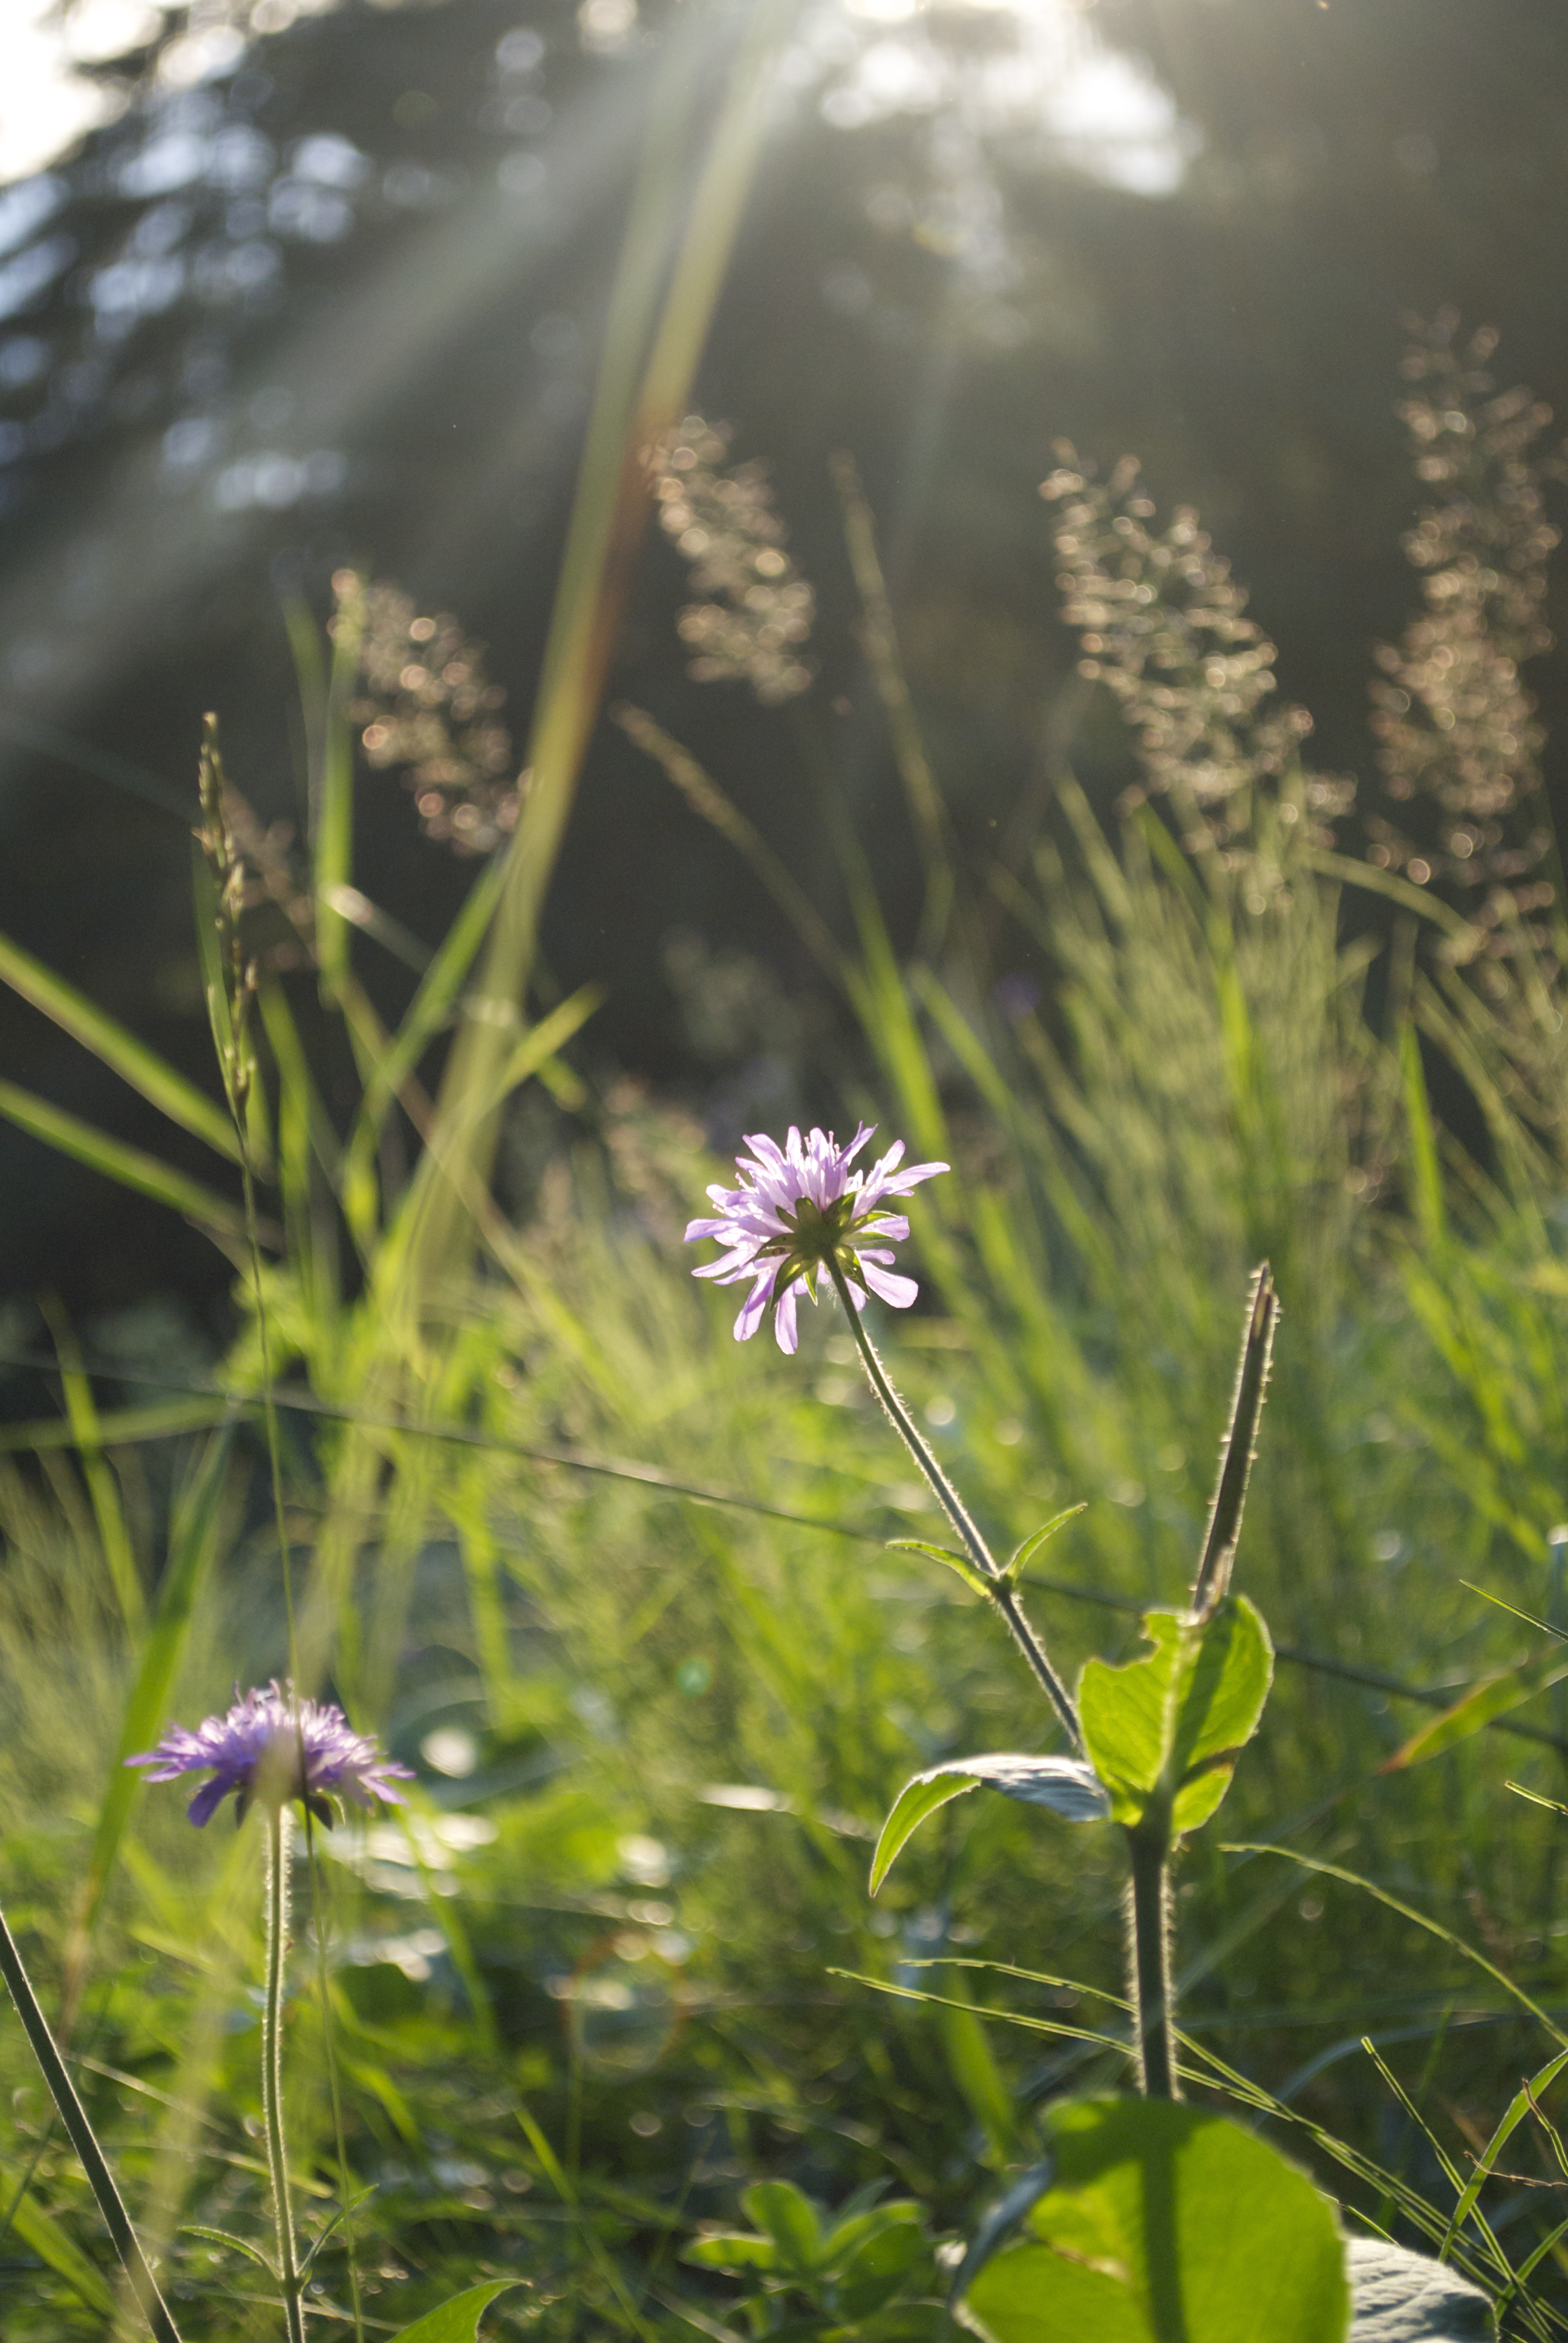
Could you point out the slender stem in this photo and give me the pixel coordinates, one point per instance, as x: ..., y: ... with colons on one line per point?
x: 73, y: 2116
x: 277, y: 1822
x: 1000, y: 1595
x: 1149, y: 1928
x: 324, y: 1990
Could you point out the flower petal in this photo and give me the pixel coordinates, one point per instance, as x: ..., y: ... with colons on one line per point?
x: 756, y: 1303
x: 208, y: 1799
x: 898, y: 1291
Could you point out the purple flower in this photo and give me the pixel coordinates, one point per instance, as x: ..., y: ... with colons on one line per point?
x: 273, y: 1745
x: 797, y: 1210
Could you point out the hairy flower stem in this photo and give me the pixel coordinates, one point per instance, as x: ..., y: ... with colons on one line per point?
x: 1149, y: 1951
x: 997, y: 1592
x: 73, y: 2116
x: 277, y: 1828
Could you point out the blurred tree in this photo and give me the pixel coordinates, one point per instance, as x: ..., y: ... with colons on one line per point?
x: 327, y: 291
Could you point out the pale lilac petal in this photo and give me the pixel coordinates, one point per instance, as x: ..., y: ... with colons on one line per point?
x: 902, y: 1182
x: 784, y: 1325
x: 898, y: 1290
x: 756, y: 1304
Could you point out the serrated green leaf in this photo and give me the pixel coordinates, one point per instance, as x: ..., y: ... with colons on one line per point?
x: 961, y: 1562
x: 1032, y: 1545
x: 1164, y: 2224
x: 1169, y: 1725
x: 456, y: 2321
x: 788, y: 2216
x: 1065, y: 1784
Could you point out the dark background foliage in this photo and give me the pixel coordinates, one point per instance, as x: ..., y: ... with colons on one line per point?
x: 339, y: 303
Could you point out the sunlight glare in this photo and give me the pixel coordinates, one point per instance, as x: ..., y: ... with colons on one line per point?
x: 1035, y: 69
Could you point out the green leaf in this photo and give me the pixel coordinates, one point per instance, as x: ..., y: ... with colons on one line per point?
x: 42, y: 2235
x: 961, y: 1562
x: 879, y: 2270
x: 1164, y: 2224
x: 1170, y: 1726
x: 456, y: 2321
x: 1032, y: 1545
x: 116, y: 1160
x: 788, y: 2217
x: 1065, y: 1784
x: 1403, y: 2298
x: 134, y: 1063
x: 1475, y: 1711
x: 733, y: 2252
x: 850, y: 2234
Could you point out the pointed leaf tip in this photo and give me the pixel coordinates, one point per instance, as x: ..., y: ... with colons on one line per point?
x: 1032, y: 1545
x: 1066, y: 1785
x: 957, y: 1562
x: 456, y: 2321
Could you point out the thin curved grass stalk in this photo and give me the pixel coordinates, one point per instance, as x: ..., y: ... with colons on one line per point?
x: 73, y: 2116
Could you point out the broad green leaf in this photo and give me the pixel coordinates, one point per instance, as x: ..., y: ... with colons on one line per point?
x: 134, y: 1063
x: 1065, y: 1784
x: 958, y: 1562
x: 456, y: 2321
x: 1164, y: 2224
x: 850, y: 2234
x: 788, y: 2217
x: 116, y: 1160
x: 1169, y: 1724
x: 1494, y: 1697
x: 1403, y: 2298
x: 42, y: 2235
x: 737, y: 2252
x: 879, y: 2270
x: 1032, y: 1545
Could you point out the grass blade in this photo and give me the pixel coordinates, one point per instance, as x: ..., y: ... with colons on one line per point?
x: 641, y: 393
x: 193, y: 1543
x: 128, y: 1165
x: 82, y: 1413
x: 134, y: 1063
x: 73, y: 2116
